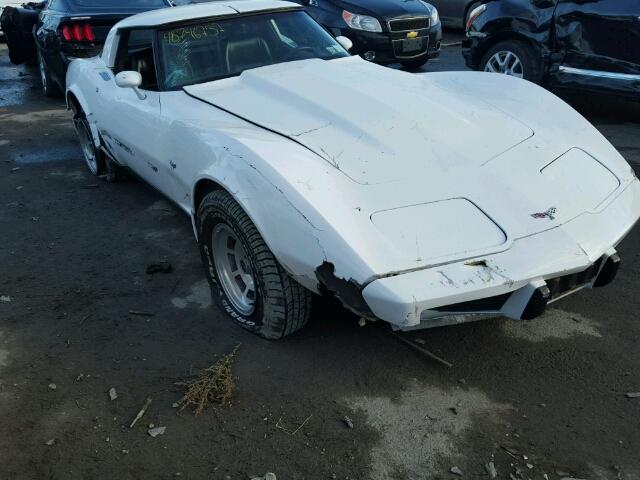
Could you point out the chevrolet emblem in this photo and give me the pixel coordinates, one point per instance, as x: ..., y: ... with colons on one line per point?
x: 412, y: 34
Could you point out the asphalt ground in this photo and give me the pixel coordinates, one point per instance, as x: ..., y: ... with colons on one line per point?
x: 541, y: 400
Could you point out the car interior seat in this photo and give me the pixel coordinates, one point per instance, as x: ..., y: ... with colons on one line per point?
x: 144, y: 64
x: 247, y: 53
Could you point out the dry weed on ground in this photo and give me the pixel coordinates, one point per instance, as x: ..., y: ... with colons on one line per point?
x: 213, y: 385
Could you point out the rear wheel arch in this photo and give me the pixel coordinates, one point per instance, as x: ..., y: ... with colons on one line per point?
x: 78, y: 106
x: 73, y: 103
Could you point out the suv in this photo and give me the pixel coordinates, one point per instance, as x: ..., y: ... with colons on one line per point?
x: 593, y: 45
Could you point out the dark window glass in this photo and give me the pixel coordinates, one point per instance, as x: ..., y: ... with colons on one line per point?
x: 136, y: 53
x: 118, y: 4
x: 202, y: 52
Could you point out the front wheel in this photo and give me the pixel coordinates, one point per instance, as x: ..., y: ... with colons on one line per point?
x: 247, y: 281
x: 514, y: 58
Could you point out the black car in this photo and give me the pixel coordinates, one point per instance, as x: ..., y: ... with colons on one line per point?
x: 63, y: 30
x: 383, y: 31
x: 586, y: 44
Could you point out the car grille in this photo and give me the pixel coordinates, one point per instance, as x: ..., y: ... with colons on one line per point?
x: 561, y: 285
x: 558, y: 287
x: 489, y: 304
x: 408, y: 24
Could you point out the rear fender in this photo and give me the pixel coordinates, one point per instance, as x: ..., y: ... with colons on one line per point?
x: 74, y: 94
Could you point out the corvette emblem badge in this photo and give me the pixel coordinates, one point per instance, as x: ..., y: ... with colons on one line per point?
x: 549, y: 213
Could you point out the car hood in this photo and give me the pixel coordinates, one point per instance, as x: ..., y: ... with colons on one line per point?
x: 426, y: 168
x: 389, y: 127
x: 385, y: 8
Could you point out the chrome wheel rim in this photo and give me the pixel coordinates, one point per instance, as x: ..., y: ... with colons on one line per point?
x: 43, y: 74
x: 234, y: 270
x: 86, y: 144
x: 505, y: 62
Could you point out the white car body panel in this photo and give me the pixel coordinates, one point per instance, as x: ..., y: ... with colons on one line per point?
x: 415, y: 191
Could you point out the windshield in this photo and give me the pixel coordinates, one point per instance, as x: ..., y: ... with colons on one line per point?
x: 212, y: 50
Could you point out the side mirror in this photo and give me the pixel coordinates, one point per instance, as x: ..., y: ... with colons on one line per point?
x: 345, y: 42
x: 130, y: 79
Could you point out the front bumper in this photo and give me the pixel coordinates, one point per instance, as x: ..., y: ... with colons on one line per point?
x: 517, y: 283
x: 387, y: 46
x: 471, y: 51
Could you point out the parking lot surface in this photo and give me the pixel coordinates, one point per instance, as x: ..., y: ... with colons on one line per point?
x: 541, y: 400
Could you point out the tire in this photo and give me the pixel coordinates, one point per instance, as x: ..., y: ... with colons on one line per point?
x: 13, y: 57
x: 519, y: 59
x: 93, y: 157
x: 278, y: 305
x: 414, y: 64
x: 49, y: 88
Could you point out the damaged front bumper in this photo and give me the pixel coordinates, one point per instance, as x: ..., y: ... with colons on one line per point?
x: 518, y: 283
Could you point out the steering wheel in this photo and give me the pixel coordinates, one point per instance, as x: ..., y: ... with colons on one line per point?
x: 302, y: 53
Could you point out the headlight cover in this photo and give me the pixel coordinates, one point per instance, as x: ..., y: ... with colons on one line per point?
x: 475, y: 13
x: 433, y: 13
x: 361, y: 22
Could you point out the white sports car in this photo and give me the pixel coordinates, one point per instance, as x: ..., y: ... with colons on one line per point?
x: 416, y: 199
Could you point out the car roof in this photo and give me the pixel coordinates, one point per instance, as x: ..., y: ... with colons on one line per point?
x: 216, y: 8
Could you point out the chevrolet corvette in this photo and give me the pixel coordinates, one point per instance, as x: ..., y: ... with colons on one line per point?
x: 415, y: 199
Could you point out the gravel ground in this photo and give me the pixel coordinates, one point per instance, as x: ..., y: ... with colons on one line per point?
x: 540, y: 398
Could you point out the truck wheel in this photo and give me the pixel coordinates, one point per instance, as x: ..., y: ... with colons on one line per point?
x: 93, y: 157
x: 515, y: 58
x: 247, y: 281
x: 49, y: 88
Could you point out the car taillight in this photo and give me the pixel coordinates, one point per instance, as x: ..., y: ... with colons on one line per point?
x: 78, y: 32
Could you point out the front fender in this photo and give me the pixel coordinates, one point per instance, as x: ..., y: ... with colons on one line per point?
x: 559, y: 126
x: 508, y: 20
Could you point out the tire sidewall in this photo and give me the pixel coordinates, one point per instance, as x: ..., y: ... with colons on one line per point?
x: 83, y: 120
x: 79, y: 116
x: 210, y: 216
x: 45, y: 78
x: 414, y: 64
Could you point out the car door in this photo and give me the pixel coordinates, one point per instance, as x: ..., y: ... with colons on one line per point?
x: 130, y: 122
x: 599, y: 36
